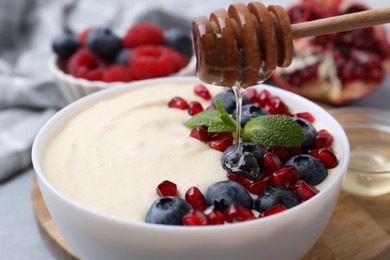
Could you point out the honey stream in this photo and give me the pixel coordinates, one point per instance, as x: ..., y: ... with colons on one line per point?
x: 239, y: 93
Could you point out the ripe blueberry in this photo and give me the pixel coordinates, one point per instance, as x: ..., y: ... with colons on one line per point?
x: 228, y: 100
x: 309, y: 131
x: 247, y: 162
x: 180, y: 40
x: 224, y: 193
x: 309, y: 168
x: 168, y: 211
x: 65, y: 45
x: 104, y: 43
x: 249, y: 111
x: 274, y: 195
x: 123, y: 56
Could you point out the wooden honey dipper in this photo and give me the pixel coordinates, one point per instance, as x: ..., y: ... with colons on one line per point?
x: 244, y: 44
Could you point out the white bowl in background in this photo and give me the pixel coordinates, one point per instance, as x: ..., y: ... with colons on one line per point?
x: 72, y: 88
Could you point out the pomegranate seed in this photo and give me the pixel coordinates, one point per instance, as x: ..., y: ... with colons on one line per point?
x: 220, y: 141
x: 195, y: 197
x: 167, y: 188
x: 202, y: 91
x: 306, y: 115
x: 219, y: 136
x: 377, y: 74
x: 272, y: 162
x: 237, y: 213
x: 273, y: 210
x: 285, y: 153
x: 195, y: 218
x: 326, y: 156
x: 264, y: 97
x: 258, y: 186
x: 276, y: 106
x: 215, y: 218
x: 304, y: 190
x: 178, y: 102
x: 285, y: 175
x: 221, y: 144
x: 241, y: 180
x: 200, y: 133
x: 194, y: 108
x: 323, y: 139
x: 251, y: 93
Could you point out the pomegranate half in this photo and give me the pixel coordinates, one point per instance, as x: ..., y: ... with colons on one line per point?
x: 337, y: 68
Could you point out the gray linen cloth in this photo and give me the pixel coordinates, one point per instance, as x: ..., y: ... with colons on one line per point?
x: 28, y: 96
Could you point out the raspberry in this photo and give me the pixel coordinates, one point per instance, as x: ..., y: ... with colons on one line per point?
x: 178, y: 60
x: 153, y: 61
x: 84, y: 64
x: 83, y: 36
x: 117, y: 73
x: 142, y: 34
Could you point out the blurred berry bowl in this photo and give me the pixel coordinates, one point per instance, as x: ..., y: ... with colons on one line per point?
x: 73, y: 88
x: 97, y: 58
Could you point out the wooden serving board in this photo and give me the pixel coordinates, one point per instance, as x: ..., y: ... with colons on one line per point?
x: 358, y: 229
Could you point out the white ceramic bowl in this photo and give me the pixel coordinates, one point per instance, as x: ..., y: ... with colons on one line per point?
x: 72, y: 88
x: 93, y: 235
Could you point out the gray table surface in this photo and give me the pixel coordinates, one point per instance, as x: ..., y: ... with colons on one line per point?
x: 19, y: 234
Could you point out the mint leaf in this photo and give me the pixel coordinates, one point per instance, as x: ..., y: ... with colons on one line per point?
x: 204, y: 118
x: 225, y: 117
x: 273, y: 130
x: 216, y: 120
x: 220, y: 126
x: 268, y: 130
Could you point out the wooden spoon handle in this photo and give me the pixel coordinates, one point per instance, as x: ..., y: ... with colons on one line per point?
x: 341, y: 23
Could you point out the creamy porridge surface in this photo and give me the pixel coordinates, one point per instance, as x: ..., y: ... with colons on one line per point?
x: 112, y: 156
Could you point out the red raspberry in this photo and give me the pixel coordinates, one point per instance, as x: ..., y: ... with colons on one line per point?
x: 178, y: 60
x: 153, y: 61
x: 142, y: 34
x: 84, y: 64
x: 83, y: 36
x: 116, y: 73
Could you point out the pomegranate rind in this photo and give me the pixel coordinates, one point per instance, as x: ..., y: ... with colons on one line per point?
x: 324, y: 87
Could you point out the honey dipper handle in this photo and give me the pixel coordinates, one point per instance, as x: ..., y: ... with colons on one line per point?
x: 341, y: 23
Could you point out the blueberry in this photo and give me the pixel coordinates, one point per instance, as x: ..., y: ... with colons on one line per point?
x: 104, y: 43
x: 122, y: 57
x: 65, y: 45
x: 274, y: 195
x: 180, y: 40
x: 224, y: 193
x: 247, y: 162
x: 249, y: 111
x: 168, y: 210
x: 309, y: 168
x: 228, y: 100
x: 309, y: 131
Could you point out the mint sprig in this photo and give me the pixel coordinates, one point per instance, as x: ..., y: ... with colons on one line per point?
x: 216, y: 120
x: 227, y: 121
x: 266, y: 130
x: 273, y: 130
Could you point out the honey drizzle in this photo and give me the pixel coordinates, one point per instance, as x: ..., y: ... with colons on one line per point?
x: 238, y: 92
